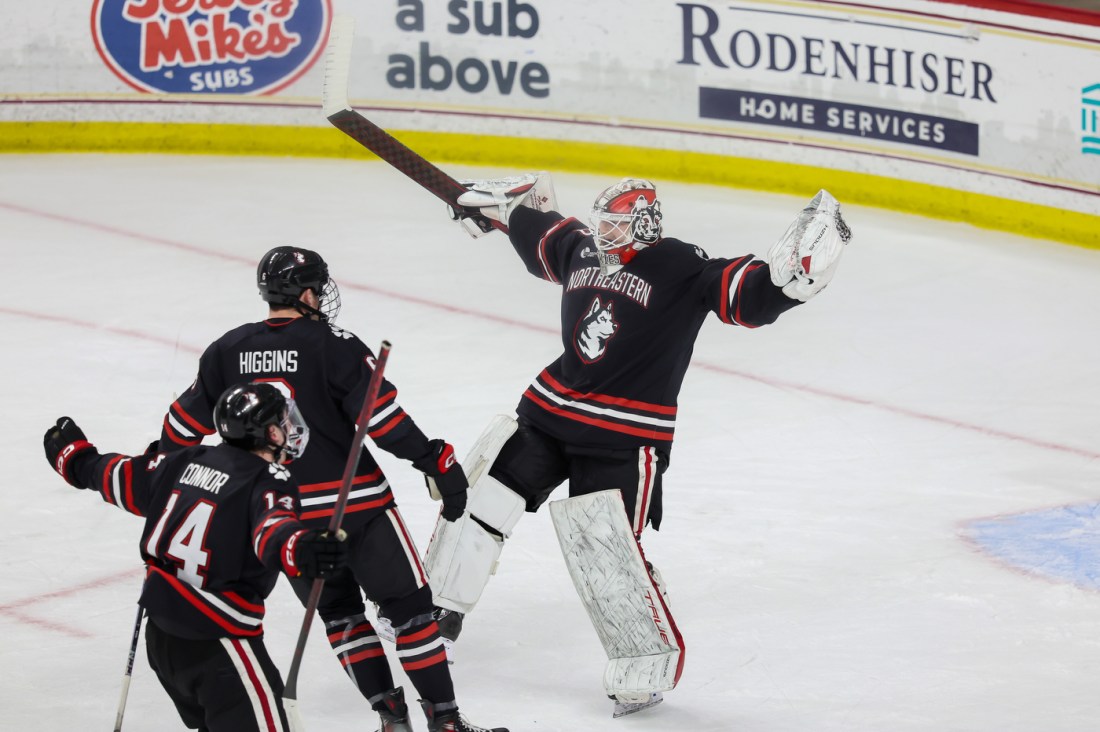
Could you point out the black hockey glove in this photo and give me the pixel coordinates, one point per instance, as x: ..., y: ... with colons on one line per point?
x: 445, y: 478
x: 315, y: 554
x: 63, y: 442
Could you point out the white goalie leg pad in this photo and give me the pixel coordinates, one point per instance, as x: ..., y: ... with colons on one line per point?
x: 489, y: 444
x: 644, y: 649
x: 463, y: 554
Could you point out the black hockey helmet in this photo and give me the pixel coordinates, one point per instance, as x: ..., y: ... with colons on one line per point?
x: 245, y: 411
x: 286, y: 272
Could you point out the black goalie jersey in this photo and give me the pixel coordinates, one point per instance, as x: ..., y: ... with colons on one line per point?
x: 217, y: 525
x: 628, y: 337
x: 326, y: 370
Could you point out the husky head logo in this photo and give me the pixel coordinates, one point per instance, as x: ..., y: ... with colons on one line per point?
x: 594, y: 330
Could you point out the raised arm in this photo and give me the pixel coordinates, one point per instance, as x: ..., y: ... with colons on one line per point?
x: 751, y: 292
x: 120, y: 480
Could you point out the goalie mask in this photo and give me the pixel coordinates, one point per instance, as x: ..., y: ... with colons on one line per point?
x: 286, y: 272
x: 244, y: 412
x: 625, y: 219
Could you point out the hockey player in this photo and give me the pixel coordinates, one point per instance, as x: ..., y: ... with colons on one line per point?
x: 299, y: 349
x: 220, y: 522
x: 602, y: 415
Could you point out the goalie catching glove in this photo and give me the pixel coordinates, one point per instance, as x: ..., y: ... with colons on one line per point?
x: 495, y: 200
x: 805, y: 258
x: 445, y: 478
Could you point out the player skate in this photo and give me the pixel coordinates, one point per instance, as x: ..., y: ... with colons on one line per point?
x: 451, y: 721
x: 393, y: 713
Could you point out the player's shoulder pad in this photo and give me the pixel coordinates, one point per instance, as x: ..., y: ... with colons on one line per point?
x: 234, y: 336
x: 530, y: 222
x: 160, y: 461
x: 279, y: 472
x: 339, y: 333
x: 153, y: 460
x: 572, y: 232
x: 682, y: 248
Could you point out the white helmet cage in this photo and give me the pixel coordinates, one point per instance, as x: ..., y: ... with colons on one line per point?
x: 330, y: 301
x: 295, y: 430
x: 626, y: 214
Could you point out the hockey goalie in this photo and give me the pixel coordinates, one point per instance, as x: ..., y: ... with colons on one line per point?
x: 602, y: 416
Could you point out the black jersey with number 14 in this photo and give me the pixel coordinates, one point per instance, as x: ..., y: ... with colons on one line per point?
x: 220, y: 524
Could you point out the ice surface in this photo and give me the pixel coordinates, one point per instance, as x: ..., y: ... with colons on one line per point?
x: 832, y: 483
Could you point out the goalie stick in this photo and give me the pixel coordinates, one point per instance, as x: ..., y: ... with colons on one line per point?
x: 339, y: 112
x: 290, y: 690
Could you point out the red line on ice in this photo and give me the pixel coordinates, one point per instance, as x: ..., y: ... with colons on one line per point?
x: 436, y: 305
x: 76, y: 323
x: 15, y: 610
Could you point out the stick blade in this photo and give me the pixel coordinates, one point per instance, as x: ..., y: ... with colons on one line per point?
x: 334, y: 91
x: 293, y: 715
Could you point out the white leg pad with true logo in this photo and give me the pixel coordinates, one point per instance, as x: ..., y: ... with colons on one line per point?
x: 463, y: 554
x: 644, y: 649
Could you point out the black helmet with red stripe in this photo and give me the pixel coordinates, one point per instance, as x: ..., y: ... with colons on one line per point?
x: 245, y: 411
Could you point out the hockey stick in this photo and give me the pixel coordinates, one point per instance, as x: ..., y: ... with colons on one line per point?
x: 129, y: 670
x: 339, y: 112
x: 290, y: 691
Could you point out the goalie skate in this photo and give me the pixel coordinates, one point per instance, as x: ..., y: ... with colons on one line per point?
x: 623, y: 708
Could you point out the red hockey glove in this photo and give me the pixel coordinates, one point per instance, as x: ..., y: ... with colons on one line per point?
x: 315, y: 554
x: 445, y: 478
x: 63, y: 442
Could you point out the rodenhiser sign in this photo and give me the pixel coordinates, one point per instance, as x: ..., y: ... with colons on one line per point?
x: 943, y: 85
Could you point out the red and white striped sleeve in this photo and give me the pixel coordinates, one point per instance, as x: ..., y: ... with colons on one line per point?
x: 740, y: 292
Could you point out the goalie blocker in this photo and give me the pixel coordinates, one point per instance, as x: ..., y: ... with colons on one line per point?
x: 496, y: 200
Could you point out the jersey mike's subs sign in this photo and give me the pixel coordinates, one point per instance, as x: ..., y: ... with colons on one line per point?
x: 210, y: 46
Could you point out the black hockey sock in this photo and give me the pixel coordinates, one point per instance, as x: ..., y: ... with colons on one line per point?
x: 360, y: 652
x: 420, y: 648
